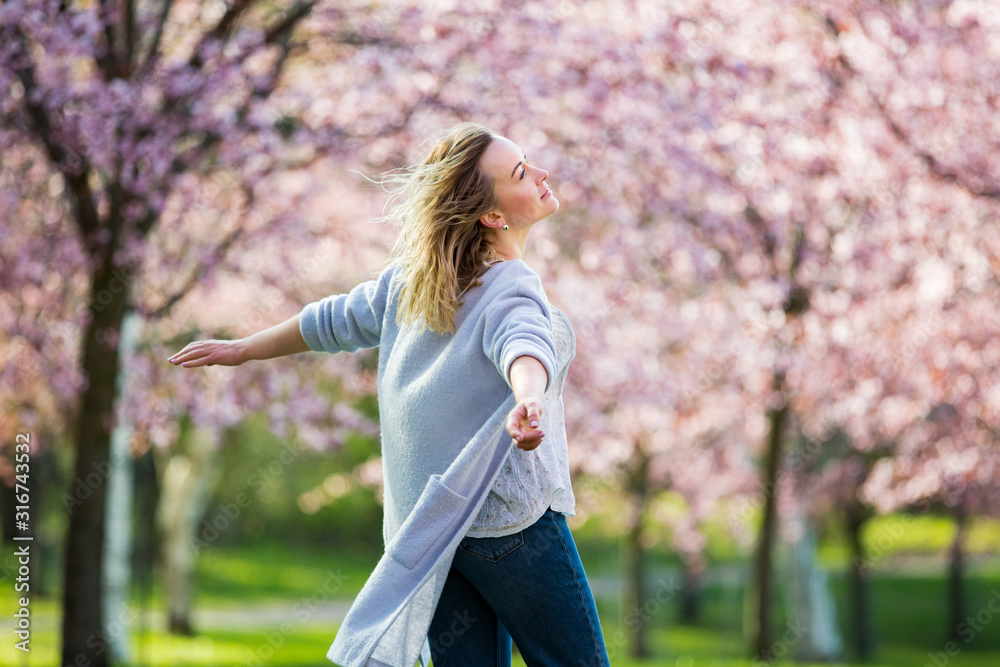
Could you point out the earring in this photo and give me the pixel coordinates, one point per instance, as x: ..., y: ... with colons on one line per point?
x: 505, y: 227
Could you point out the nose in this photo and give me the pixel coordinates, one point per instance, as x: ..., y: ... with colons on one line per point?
x: 542, y: 175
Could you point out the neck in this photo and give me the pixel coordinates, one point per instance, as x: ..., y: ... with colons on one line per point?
x: 509, y: 244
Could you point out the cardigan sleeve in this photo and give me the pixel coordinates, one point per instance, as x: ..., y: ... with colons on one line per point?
x: 518, y: 323
x: 347, y: 322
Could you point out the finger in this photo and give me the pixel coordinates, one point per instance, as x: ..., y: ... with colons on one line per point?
x: 530, y: 423
x: 528, y: 437
x: 520, y: 431
x: 523, y: 422
x: 200, y: 361
x: 185, y: 355
x: 186, y: 351
x: 516, y: 422
x: 528, y: 431
x: 512, y: 428
x: 534, y: 414
x: 198, y: 356
x: 530, y: 442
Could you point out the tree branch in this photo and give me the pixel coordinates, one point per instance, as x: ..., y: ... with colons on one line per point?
x: 728, y: 265
x: 108, y: 63
x: 194, y: 278
x: 279, y: 33
x: 221, y: 32
x: 130, y: 36
x: 934, y: 166
x: 81, y: 197
x: 756, y: 221
x: 797, y: 301
x: 224, y: 28
x: 153, y: 55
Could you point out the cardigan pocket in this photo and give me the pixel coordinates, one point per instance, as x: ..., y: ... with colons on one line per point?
x: 436, y: 510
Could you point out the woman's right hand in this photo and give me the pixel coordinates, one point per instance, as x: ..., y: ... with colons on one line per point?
x: 523, y: 424
x: 528, y: 379
x: 210, y: 353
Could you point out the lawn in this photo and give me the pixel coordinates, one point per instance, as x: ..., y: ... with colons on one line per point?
x: 277, y: 604
x: 307, y: 644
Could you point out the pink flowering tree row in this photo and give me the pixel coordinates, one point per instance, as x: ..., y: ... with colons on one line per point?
x: 774, y: 221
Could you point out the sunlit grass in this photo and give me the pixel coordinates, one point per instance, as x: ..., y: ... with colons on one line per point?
x: 306, y: 646
x: 894, y: 535
x: 247, y: 647
x: 908, y: 605
x: 277, y: 572
x: 703, y: 647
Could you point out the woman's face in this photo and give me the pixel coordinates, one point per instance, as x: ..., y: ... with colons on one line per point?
x: 520, y: 186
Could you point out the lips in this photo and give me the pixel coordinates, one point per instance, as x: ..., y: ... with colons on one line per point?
x: 547, y: 193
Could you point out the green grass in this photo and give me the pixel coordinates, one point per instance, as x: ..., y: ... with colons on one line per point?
x: 907, y: 593
x: 306, y: 646
x: 268, y: 572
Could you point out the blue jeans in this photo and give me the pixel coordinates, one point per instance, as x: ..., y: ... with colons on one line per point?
x: 530, y: 586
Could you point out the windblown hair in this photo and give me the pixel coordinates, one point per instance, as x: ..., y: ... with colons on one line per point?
x: 442, y: 246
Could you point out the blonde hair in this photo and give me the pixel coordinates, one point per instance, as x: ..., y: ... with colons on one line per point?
x: 442, y: 247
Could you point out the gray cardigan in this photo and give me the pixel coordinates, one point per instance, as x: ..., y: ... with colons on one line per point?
x: 443, y: 404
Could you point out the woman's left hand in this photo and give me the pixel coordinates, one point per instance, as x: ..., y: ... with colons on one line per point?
x: 210, y: 353
x: 523, y: 424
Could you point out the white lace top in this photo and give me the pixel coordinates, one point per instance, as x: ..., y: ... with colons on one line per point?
x: 531, y: 482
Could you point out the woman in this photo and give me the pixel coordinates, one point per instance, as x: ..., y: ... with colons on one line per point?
x: 477, y: 546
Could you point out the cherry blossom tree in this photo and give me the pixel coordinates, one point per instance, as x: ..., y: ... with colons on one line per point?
x: 784, y: 144
x: 128, y: 127
x: 753, y: 196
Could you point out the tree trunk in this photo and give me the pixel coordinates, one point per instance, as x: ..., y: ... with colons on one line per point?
x: 7, y: 503
x: 37, y: 474
x: 83, y: 636
x: 860, y: 611
x: 956, y: 563
x: 118, y: 542
x: 144, y: 546
x: 763, y: 618
x: 636, y: 617
x: 186, y: 484
x: 693, y: 567
x: 812, y: 628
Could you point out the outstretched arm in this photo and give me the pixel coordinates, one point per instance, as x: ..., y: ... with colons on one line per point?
x: 278, y: 341
x: 528, y: 379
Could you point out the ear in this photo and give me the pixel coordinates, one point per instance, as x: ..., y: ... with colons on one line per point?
x: 493, y: 220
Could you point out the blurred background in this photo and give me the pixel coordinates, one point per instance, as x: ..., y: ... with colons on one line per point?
x: 777, y: 243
